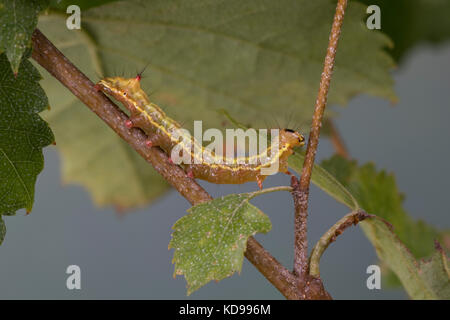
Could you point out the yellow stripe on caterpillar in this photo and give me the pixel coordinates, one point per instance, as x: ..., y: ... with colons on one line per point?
x: 161, y: 131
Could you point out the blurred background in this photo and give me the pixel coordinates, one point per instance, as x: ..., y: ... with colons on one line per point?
x: 126, y: 256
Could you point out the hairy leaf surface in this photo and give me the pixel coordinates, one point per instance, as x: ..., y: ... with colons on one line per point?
x: 210, y: 241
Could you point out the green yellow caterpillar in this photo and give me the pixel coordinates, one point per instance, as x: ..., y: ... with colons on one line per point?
x: 165, y: 133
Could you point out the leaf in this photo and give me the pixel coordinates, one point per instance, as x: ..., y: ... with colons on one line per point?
x: 23, y: 134
x: 410, y: 23
x: 436, y: 273
x: 254, y: 59
x: 18, y: 19
x: 422, y: 281
x: 83, y: 4
x: 377, y: 193
x: 210, y: 241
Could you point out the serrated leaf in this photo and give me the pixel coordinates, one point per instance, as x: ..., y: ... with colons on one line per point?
x: 377, y: 193
x: 261, y: 57
x: 23, y: 134
x: 18, y: 19
x: 425, y: 280
x: 436, y: 273
x: 210, y: 241
x: 254, y: 59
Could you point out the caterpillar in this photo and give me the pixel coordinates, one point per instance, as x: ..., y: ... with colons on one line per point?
x: 167, y: 134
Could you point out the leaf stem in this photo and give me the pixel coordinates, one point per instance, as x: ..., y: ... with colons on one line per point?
x: 49, y: 57
x: 269, y: 190
x: 330, y: 236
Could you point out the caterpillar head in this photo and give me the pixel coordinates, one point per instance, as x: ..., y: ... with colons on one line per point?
x: 126, y: 90
x: 291, y: 138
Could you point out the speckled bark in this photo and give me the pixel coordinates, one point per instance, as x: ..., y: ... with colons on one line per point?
x: 301, y: 188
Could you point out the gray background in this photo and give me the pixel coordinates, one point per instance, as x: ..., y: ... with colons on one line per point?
x: 127, y: 257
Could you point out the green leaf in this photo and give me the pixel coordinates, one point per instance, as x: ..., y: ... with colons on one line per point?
x: 18, y: 19
x: 377, y: 193
x: 210, y: 241
x: 23, y: 134
x: 436, y: 273
x: 254, y: 59
x: 425, y: 280
x: 410, y: 23
x: 83, y: 4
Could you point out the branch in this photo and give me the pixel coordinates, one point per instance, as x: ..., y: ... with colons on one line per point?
x: 301, y: 188
x: 49, y: 57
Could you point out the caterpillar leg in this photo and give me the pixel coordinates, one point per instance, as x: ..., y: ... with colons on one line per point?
x: 259, y: 180
x: 190, y: 173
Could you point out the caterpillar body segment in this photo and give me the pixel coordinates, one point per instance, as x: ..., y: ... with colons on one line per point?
x: 204, y: 164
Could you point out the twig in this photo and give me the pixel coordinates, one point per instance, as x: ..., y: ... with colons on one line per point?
x: 336, y: 140
x: 321, y: 100
x: 301, y: 194
x: 49, y: 57
x: 300, y: 232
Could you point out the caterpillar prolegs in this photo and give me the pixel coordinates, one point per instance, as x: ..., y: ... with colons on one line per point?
x: 203, y: 163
